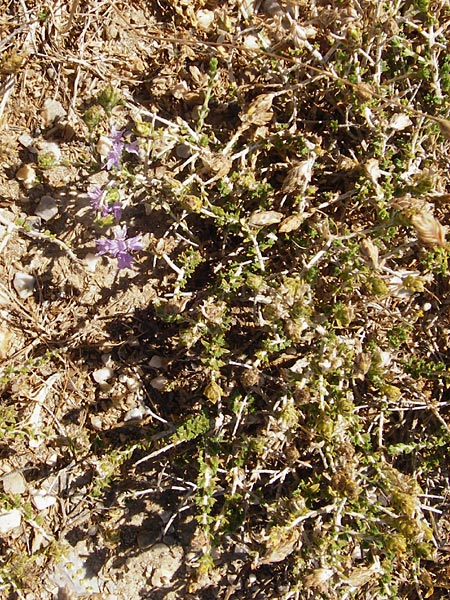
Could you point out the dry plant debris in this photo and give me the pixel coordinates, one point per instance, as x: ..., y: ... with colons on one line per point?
x: 224, y: 297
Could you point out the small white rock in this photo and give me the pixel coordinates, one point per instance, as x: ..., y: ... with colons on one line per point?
x: 27, y: 141
x: 135, y: 414
x: 51, y: 111
x: 45, y: 147
x: 10, y: 520
x: 102, y: 375
x: 46, y: 208
x: 205, y: 19
x: 104, y: 145
x: 132, y: 383
x: 41, y: 500
x: 24, y: 284
x: 91, y: 261
x: 14, y: 483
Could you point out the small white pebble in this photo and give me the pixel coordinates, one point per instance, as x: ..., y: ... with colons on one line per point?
x: 41, y: 500
x: 91, y: 261
x: 205, y: 18
x: 102, y: 375
x: 135, y: 414
x: 24, y: 284
x: 14, y: 483
x: 252, y: 42
x: 103, y: 146
x: 10, y: 520
x: 426, y: 307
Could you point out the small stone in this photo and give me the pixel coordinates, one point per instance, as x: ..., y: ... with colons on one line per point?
x: 46, y: 208
x: 10, y: 520
x: 102, y: 375
x: 24, y: 285
x: 103, y: 146
x: 183, y: 151
x: 205, y: 18
x: 14, y: 483
x: 27, y: 141
x: 157, y: 362
x: 159, y: 383
x: 135, y: 414
x: 91, y: 261
x: 27, y: 175
x: 96, y: 422
x: 42, y: 501
x: 51, y: 111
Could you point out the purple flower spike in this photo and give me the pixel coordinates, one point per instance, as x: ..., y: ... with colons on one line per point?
x: 95, y: 196
x: 116, y: 135
x: 113, y: 158
x: 102, y: 203
x: 118, y: 146
x: 120, y: 247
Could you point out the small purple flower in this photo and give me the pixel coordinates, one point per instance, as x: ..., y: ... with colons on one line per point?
x: 95, y: 196
x: 106, y: 203
x: 117, y: 148
x: 120, y: 247
x: 114, y: 155
x: 132, y: 147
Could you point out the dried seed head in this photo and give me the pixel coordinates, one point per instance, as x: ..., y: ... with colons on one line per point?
x: 429, y: 231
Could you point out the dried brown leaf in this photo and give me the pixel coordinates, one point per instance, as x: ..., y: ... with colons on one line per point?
x: 291, y: 223
x: 299, y: 177
x: 429, y: 231
x: 260, y: 110
x: 283, y: 543
x: 370, y: 252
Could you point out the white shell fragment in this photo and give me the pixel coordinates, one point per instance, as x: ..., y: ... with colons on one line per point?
x: 46, y: 208
x: 10, y: 520
x: 102, y: 375
x: 24, y: 284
